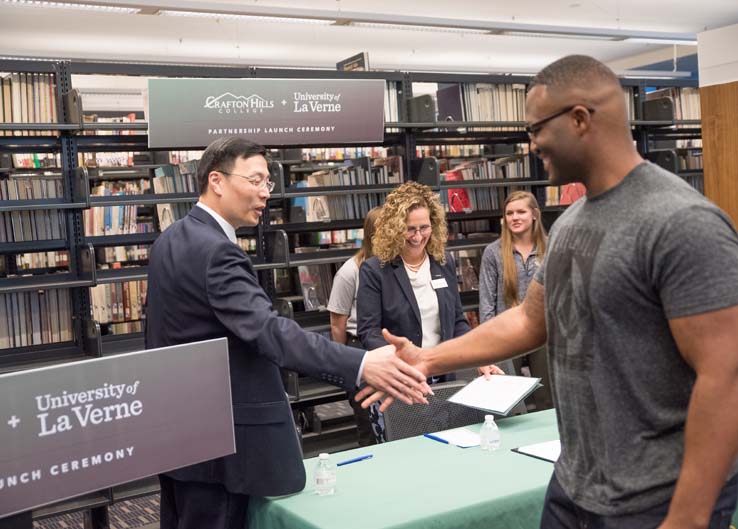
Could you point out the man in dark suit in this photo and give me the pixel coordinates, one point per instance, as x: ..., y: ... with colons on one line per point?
x: 202, y: 286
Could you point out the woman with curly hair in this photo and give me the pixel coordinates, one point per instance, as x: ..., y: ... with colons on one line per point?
x: 409, y: 287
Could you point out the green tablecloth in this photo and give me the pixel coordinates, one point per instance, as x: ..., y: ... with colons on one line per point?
x: 419, y: 482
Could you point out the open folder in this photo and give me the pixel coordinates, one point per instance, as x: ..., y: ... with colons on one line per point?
x: 498, y: 395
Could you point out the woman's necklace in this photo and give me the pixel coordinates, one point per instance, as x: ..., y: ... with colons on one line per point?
x: 414, y: 267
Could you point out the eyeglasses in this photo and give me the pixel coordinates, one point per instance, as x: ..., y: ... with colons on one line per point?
x: 535, y: 128
x: 263, y: 183
x: 423, y: 230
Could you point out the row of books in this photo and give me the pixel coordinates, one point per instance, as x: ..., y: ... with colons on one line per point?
x: 391, y: 108
x: 689, y: 160
x: 126, y: 327
x: 513, y: 166
x: 94, y: 118
x: 359, y: 171
x: 106, y: 159
x: 31, y: 187
x: 110, y: 255
x: 118, y: 302
x: 324, y: 208
x: 37, y: 225
x: 27, y: 98
x: 34, y: 318
x: 493, y: 102
x: 117, y: 220
x: 470, y: 226
x: 180, y: 157
x: 42, y: 260
x: 120, y: 219
x: 335, y: 238
x: 466, y: 200
x: 333, y: 207
x: 343, y: 153
x: 36, y: 160
x: 125, y: 219
x: 449, y: 151
x: 180, y: 178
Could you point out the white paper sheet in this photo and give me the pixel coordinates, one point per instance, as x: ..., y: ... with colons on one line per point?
x: 498, y: 395
x: 548, y: 450
x: 461, y: 437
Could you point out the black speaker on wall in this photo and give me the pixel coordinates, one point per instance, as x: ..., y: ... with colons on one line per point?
x: 422, y: 109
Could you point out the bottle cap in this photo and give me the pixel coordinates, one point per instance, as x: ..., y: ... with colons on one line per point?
x: 324, y: 455
x: 489, y: 418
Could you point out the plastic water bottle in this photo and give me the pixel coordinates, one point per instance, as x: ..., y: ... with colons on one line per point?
x: 489, y: 435
x: 325, y: 476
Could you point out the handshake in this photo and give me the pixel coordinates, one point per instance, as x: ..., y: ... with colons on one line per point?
x: 399, y: 371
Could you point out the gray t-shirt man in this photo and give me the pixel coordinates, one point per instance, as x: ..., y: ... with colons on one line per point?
x: 618, y: 267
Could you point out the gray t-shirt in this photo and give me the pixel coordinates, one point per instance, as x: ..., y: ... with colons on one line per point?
x: 343, y: 294
x: 617, y: 268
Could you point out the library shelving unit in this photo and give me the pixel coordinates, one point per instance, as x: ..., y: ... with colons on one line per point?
x: 77, y: 230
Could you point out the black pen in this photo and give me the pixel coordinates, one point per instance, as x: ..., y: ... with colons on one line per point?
x: 354, y: 460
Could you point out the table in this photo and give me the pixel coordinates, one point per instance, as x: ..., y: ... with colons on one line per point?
x: 422, y: 483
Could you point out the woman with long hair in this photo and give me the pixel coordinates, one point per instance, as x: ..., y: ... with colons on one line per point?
x: 342, y: 309
x: 409, y: 287
x: 342, y: 302
x: 508, y: 266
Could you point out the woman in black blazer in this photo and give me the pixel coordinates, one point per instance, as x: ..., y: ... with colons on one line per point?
x: 409, y: 287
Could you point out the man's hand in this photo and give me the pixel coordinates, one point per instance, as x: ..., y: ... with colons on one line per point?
x: 408, y: 352
x: 490, y: 370
x: 385, y: 372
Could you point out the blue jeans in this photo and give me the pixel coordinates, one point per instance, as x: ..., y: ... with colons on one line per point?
x: 559, y: 512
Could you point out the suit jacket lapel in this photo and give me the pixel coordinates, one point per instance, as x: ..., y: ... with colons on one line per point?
x: 203, y: 216
x: 437, y: 273
x: 405, y: 286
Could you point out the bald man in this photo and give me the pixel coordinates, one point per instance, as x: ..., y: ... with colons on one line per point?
x: 637, y: 301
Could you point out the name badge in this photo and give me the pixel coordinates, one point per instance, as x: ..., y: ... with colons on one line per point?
x: 439, y: 283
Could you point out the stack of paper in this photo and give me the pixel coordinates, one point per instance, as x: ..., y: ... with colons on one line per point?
x: 498, y: 395
x: 548, y: 451
x: 461, y: 437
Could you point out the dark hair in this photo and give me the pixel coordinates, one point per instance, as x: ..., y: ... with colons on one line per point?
x: 573, y: 70
x: 222, y: 154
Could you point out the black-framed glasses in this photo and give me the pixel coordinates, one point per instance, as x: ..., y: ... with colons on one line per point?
x: 423, y: 230
x: 534, y: 128
x: 263, y: 183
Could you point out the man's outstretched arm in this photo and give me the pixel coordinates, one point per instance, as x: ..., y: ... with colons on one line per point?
x: 514, y: 332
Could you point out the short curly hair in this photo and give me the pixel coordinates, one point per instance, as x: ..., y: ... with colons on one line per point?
x: 389, y: 237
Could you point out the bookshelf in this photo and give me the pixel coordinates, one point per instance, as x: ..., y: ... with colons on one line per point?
x: 83, y: 199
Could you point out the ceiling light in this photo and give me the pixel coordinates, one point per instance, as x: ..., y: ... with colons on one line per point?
x: 418, y: 27
x: 552, y: 35
x: 683, y: 42
x: 652, y: 74
x: 254, y: 18
x: 70, y: 5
